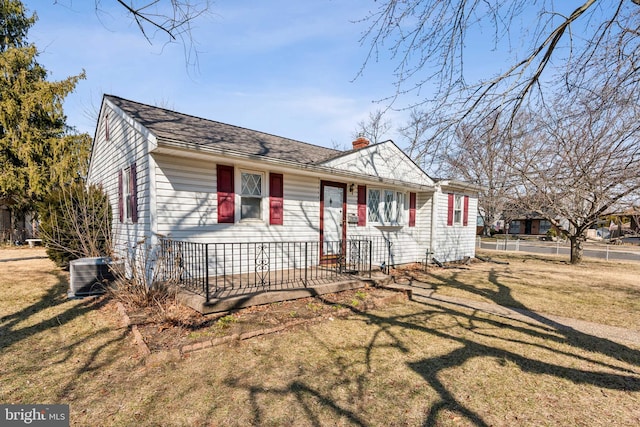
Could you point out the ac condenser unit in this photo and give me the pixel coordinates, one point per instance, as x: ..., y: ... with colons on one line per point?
x: 90, y: 275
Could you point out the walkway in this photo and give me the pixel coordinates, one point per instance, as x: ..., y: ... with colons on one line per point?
x: 620, y: 335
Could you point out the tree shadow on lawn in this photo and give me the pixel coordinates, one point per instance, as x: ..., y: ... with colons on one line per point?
x: 56, y: 295
x: 549, y: 331
x: 469, y: 346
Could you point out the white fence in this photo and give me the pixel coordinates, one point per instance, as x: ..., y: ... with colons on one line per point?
x: 599, y: 251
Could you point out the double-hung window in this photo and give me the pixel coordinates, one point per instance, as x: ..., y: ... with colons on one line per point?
x: 251, y: 195
x: 457, y: 210
x: 126, y: 193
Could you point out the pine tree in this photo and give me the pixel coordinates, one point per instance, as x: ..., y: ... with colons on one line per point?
x: 38, y: 152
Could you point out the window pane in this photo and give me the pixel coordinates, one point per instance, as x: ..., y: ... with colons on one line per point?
x: 544, y: 226
x: 250, y: 207
x: 374, y: 205
x: 399, y: 207
x: 251, y: 184
x: 388, y: 205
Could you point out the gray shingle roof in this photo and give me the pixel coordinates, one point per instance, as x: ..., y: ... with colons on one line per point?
x: 169, y: 125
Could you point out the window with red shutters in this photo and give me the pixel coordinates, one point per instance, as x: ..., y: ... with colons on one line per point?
x: 276, y: 199
x: 362, y: 205
x: 226, y: 194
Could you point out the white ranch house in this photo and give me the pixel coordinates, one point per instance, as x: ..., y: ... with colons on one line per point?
x: 172, y: 177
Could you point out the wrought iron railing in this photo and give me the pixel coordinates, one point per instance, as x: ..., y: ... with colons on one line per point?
x: 213, y: 269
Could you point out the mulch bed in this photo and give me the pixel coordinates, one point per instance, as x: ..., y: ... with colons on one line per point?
x: 172, y: 326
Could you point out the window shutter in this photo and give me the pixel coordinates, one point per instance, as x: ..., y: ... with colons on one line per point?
x: 412, y: 209
x: 362, y: 205
x: 450, y: 210
x: 465, y: 213
x: 133, y: 190
x: 276, y: 198
x: 226, y: 195
x: 120, y: 194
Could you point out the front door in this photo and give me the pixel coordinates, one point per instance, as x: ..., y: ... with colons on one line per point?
x: 332, y: 217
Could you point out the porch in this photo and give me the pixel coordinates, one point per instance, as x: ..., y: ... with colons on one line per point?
x: 218, y: 277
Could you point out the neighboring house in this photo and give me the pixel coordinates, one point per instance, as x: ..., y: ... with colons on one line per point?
x: 186, y: 178
x: 15, y: 227
x: 530, y: 226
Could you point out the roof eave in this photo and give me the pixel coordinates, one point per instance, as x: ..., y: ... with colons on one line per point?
x: 166, y: 145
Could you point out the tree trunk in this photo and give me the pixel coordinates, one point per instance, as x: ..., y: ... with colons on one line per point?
x: 576, y: 249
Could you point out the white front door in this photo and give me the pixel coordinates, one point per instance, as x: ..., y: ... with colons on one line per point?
x: 333, y: 216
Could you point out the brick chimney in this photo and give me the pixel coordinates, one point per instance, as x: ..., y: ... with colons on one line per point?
x: 360, y: 142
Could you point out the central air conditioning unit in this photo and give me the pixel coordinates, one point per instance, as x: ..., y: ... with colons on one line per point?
x: 89, y: 276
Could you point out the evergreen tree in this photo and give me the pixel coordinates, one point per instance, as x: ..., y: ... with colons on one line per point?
x: 38, y: 152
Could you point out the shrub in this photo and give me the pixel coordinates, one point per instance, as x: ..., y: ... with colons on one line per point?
x: 75, y: 222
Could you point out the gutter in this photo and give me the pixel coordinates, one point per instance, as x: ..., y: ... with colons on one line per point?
x: 460, y: 185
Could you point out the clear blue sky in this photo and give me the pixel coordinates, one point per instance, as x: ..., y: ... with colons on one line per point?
x: 279, y: 66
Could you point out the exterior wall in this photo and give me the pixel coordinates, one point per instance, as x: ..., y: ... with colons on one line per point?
x: 382, y: 160
x: 186, y: 204
x: 177, y: 197
x: 186, y: 207
x: 127, y: 143
x: 454, y: 242
x: 408, y: 244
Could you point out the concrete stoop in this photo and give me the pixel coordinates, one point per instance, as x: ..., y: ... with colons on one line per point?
x: 219, y: 305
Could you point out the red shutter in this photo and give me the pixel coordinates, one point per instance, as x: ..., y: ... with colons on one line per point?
x: 450, y: 210
x: 362, y: 205
x: 226, y: 195
x: 133, y: 190
x: 276, y: 198
x: 120, y: 204
x: 465, y: 213
x: 412, y: 209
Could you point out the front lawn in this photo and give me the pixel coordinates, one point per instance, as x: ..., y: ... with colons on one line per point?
x: 408, y: 363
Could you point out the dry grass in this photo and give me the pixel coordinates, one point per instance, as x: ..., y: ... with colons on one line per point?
x: 596, y: 291
x: 409, y: 364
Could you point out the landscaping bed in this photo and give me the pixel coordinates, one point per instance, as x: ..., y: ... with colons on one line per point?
x: 171, y: 325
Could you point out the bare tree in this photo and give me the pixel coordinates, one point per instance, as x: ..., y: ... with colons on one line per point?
x: 482, y: 155
x: 580, y: 162
x: 430, y: 42
x: 375, y: 128
x: 429, y: 153
x: 172, y: 19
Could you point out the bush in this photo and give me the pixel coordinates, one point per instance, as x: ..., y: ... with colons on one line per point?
x: 75, y: 222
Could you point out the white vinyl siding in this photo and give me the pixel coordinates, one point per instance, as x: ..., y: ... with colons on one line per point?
x: 384, y: 160
x: 408, y: 244
x: 454, y: 243
x: 187, y: 205
x: 128, y: 143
